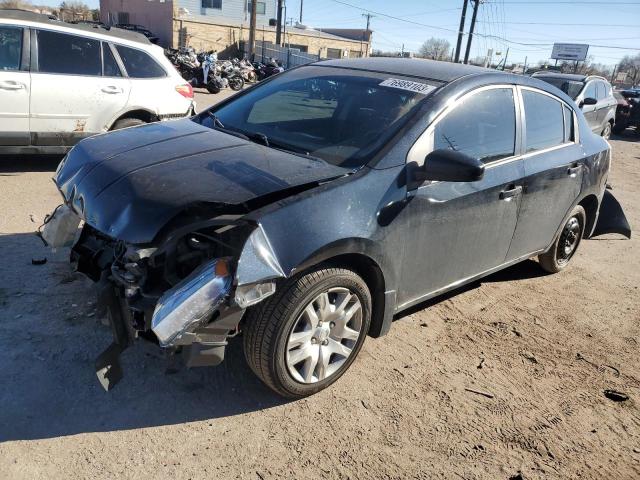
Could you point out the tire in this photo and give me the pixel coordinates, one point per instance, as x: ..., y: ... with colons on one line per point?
x: 559, y: 255
x: 211, y: 88
x: 236, y: 83
x: 273, y: 326
x: 606, y: 131
x: 127, y: 122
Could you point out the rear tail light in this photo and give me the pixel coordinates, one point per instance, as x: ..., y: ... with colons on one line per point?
x: 186, y: 90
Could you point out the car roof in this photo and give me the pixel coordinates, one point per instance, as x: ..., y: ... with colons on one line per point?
x: 23, y: 15
x: 568, y: 76
x: 414, y: 67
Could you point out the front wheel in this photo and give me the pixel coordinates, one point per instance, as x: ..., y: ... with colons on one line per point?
x: 213, y: 88
x: 606, y: 131
x: 236, y: 83
x: 306, y: 336
x: 566, y: 245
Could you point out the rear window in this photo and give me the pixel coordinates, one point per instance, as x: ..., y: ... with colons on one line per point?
x: 570, y: 87
x: 68, y: 54
x: 544, y: 121
x: 10, y: 48
x: 139, y: 64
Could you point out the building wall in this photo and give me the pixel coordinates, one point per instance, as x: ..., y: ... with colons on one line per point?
x: 156, y: 15
x: 226, y: 39
x: 231, y: 9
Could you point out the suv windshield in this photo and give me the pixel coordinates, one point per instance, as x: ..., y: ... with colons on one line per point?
x: 341, y: 116
x: 570, y: 87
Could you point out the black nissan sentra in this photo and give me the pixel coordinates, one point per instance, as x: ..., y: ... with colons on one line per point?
x: 307, y: 211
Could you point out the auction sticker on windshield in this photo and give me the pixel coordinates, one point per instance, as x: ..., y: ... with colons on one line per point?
x: 416, y: 87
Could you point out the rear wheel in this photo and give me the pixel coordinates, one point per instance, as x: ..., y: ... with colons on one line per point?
x: 236, y: 83
x: 566, y: 245
x: 127, y: 122
x: 306, y: 336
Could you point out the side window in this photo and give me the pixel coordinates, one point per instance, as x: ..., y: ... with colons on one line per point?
x: 600, y: 91
x: 139, y: 64
x: 569, y: 127
x: 483, y: 126
x: 544, y: 121
x: 590, y: 91
x: 10, y: 48
x: 68, y: 54
x: 110, y: 67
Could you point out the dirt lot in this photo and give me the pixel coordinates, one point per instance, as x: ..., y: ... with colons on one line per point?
x: 542, y: 347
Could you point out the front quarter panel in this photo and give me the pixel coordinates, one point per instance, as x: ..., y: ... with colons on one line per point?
x: 359, y: 214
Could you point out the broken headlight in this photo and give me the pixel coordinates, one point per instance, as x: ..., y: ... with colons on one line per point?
x: 191, y: 302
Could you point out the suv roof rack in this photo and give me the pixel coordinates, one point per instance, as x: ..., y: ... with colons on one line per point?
x: 25, y: 15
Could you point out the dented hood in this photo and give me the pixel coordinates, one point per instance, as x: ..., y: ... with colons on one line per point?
x: 128, y: 184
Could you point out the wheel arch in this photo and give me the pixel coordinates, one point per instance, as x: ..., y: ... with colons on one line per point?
x: 140, y: 113
x: 370, y: 270
x: 590, y: 204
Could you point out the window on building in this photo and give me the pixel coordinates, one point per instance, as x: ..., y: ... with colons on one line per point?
x: 68, y: 54
x: 122, y: 17
x: 482, y: 126
x: 10, y: 48
x: 261, y: 8
x: 334, y: 53
x: 302, y: 48
x: 544, y: 121
x: 138, y: 64
x: 110, y: 67
x: 212, y: 4
x: 355, y: 54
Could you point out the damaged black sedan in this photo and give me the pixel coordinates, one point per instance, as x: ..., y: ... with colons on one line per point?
x: 307, y: 211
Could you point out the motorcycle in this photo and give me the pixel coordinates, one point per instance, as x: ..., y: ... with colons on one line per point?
x: 232, y: 74
x: 267, y: 70
x: 246, y: 70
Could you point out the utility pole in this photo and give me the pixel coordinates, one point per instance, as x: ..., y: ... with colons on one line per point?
x: 279, y: 26
x: 506, y: 55
x: 301, y: 2
x: 252, y: 31
x: 461, y: 30
x: 476, y: 4
x: 368, y: 17
x: 524, y: 69
x: 402, y: 51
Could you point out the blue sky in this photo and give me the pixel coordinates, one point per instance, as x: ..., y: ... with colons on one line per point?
x: 613, y: 23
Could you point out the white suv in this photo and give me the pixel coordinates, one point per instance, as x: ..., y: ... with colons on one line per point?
x: 60, y: 83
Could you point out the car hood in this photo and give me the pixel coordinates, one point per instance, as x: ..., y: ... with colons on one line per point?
x: 128, y: 184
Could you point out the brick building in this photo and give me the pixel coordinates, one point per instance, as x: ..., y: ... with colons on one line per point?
x: 223, y: 25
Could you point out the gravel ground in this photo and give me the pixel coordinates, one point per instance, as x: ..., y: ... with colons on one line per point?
x: 543, y: 348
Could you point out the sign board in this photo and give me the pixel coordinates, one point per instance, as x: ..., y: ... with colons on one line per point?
x: 570, y: 51
x: 621, y: 77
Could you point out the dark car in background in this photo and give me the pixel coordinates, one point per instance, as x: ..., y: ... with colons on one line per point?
x: 632, y: 96
x: 593, y: 95
x: 623, y: 113
x: 307, y: 222
x: 140, y: 29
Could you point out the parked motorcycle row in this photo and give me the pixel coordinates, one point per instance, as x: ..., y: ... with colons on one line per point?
x: 205, y: 70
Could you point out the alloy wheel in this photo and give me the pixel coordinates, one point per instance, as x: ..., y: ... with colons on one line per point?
x: 324, y: 335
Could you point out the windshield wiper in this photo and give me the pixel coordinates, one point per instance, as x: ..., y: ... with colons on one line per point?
x: 218, y: 125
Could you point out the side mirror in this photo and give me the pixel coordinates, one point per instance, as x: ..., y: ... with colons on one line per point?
x: 446, y: 166
x: 588, y: 101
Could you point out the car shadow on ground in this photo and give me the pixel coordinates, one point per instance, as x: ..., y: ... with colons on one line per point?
x: 14, y: 164
x: 49, y: 338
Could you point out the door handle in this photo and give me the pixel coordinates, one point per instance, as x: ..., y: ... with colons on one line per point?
x: 11, y: 85
x: 111, y: 89
x: 511, y: 192
x: 573, y: 170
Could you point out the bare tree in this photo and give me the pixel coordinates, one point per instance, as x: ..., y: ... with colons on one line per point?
x: 435, y: 48
x: 75, y: 10
x: 631, y: 65
x: 19, y: 4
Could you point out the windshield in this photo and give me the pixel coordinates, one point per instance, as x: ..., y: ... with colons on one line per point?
x: 570, y: 87
x: 341, y: 116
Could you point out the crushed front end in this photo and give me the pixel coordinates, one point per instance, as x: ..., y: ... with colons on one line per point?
x: 187, y: 292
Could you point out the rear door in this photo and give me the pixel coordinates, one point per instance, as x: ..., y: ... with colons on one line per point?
x: 461, y: 229
x: 71, y: 98
x: 15, y: 85
x: 591, y: 111
x: 553, y: 170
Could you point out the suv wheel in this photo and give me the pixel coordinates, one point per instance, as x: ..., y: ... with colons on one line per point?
x: 306, y: 336
x: 606, y: 131
x: 565, y: 246
x: 127, y: 122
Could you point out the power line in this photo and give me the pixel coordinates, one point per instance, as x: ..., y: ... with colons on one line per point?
x: 570, y: 24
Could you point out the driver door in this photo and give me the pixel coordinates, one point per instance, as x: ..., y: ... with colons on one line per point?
x: 461, y: 229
